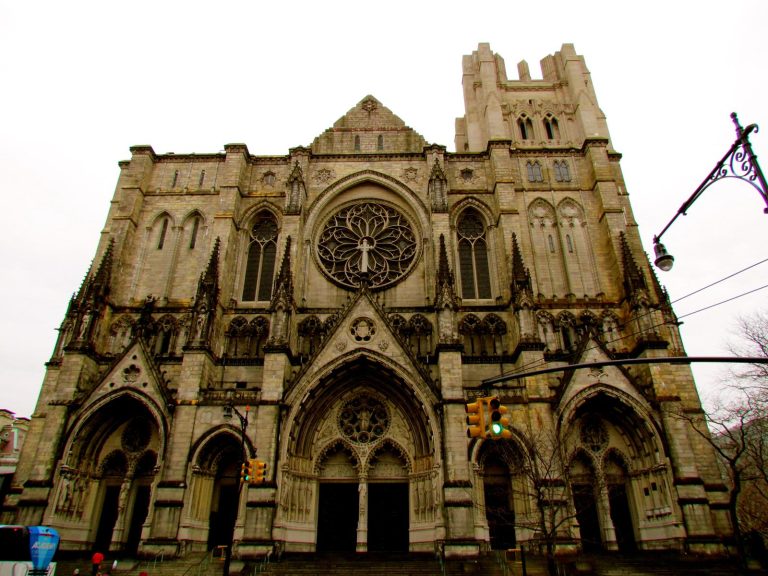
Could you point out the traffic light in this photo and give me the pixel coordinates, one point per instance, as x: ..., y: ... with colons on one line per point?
x: 475, y: 419
x: 245, y: 472
x: 258, y: 471
x: 498, y: 420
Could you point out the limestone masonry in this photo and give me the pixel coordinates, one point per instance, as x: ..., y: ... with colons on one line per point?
x: 349, y: 298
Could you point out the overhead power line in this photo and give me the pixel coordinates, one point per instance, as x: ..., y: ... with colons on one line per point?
x: 628, y: 361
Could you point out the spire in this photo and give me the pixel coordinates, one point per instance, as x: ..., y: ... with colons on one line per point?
x: 446, y: 290
x: 282, y: 303
x: 210, y: 276
x: 444, y: 273
x: 661, y: 292
x: 95, y: 286
x: 283, y: 292
x: 206, y: 299
x: 86, y: 308
x: 633, y: 276
x: 99, y: 285
x: 521, y: 277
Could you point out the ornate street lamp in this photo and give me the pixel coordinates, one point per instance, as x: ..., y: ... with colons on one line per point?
x: 740, y: 163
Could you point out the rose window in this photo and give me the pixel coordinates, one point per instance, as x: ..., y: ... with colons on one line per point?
x: 363, y: 419
x: 136, y: 435
x: 367, y: 238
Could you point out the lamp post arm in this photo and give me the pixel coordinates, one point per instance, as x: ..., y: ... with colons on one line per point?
x: 739, y: 162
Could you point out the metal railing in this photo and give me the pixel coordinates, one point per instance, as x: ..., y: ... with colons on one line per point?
x: 440, y: 555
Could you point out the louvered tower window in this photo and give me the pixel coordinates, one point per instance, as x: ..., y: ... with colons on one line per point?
x: 260, y: 266
x: 473, y: 256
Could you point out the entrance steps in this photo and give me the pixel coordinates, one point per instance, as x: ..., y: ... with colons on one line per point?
x: 660, y: 564
x: 379, y: 564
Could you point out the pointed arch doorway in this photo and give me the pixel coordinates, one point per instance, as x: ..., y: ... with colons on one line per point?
x: 111, y: 465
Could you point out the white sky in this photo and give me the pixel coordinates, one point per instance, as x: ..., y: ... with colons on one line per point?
x: 84, y: 81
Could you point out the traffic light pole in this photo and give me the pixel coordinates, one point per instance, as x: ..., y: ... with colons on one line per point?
x: 243, y: 428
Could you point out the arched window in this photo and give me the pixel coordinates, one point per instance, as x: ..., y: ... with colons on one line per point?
x: 163, y: 232
x: 357, y: 143
x: 534, y: 172
x: 258, y: 330
x: 380, y: 142
x: 526, y: 127
x: 562, y: 173
x: 260, y: 265
x: 420, y: 337
x: 551, y: 127
x: 473, y: 256
x: 193, y: 235
x: 237, y: 337
x: 472, y: 328
x: 201, y: 181
x: 496, y: 328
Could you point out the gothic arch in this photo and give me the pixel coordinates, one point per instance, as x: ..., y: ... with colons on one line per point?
x: 634, y: 420
x: 311, y: 400
x: 334, y: 446
x: 194, y: 230
x: 475, y: 252
x: 260, y: 241
x: 115, y: 463
x: 98, y: 420
x: 614, y: 453
x: 248, y: 216
x: 542, y: 212
x: 200, y: 448
x: 485, y: 211
x: 388, y: 443
x: 320, y: 207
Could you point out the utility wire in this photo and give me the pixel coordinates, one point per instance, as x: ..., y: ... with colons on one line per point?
x: 718, y: 281
x: 534, y: 363
x: 722, y: 302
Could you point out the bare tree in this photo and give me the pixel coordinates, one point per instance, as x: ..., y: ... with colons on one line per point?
x: 752, y: 334
x: 737, y: 429
x: 547, y: 474
x: 727, y: 430
x: 539, y: 478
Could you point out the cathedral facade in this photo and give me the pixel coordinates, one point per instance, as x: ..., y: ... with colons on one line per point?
x: 332, y: 311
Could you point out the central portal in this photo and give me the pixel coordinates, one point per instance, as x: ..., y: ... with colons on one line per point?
x: 337, y: 517
x: 388, y: 517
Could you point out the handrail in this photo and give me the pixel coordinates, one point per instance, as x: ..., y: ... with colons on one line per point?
x: 160, y: 555
x: 440, y: 555
x: 204, y: 560
x: 500, y: 556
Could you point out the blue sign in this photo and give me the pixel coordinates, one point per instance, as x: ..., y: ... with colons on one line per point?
x: 43, y: 542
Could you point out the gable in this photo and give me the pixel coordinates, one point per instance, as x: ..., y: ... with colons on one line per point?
x: 368, y: 128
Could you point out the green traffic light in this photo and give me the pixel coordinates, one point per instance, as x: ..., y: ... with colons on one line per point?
x: 496, y: 428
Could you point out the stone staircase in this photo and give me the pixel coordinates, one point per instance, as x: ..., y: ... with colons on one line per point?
x: 660, y: 564
x: 195, y: 564
x: 403, y: 564
x: 379, y: 564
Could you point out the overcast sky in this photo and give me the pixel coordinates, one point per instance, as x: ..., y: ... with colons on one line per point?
x: 84, y: 81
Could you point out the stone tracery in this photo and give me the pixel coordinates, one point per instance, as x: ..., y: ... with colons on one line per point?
x: 367, y: 238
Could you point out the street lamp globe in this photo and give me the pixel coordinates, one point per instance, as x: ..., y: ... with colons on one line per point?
x: 664, y: 260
